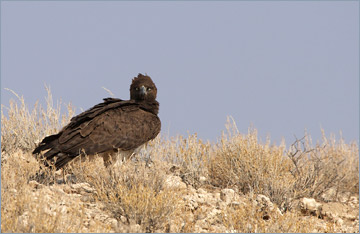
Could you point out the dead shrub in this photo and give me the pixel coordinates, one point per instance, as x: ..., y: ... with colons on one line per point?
x: 23, y: 128
x: 241, y: 162
x: 25, y: 210
x: 135, y: 191
x: 331, y: 164
x: 189, y: 154
x: 246, y: 219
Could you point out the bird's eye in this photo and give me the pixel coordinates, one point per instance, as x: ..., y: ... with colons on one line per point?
x: 148, y: 89
x: 137, y: 89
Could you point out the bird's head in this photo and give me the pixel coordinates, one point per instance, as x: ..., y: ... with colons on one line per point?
x: 142, y: 88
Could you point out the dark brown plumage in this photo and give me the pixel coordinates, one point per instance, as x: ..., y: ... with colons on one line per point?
x: 112, y: 125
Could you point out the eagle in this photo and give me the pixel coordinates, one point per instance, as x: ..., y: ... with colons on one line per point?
x: 111, y: 126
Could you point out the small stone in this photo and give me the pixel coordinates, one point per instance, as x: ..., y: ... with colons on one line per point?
x: 354, y: 200
x: 35, y: 184
x: 123, y: 219
x: 202, y: 179
x: 329, y: 195
x: 344, y: 197
x: 82, y: 187
x: 135, y: 228
x: 350, y: 217
x: 201, y: 191
x: 310, y: 206
x: 174, y: 182
x: 339, y: 221
x: 227, y: 195
x: 265, y: 204
x: 86, y: 198
x: 235, y: 204
x: 113, y: 223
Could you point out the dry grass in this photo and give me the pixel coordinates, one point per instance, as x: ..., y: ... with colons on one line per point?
x: 329, y: 164
x: 22, y: 128
x: 189, y: 153
x: 282, y: 174
x: 240, y: 161
x: 134, y: 191
x: 137, y: 192
x: 25, y: 211
x: 247, y: 219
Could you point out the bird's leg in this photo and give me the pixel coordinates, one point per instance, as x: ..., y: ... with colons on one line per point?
x: 132, y: 155
x: 110, y: 157
x: 63, y: 175
x: 148, y: 162
x: 107, y: 160
x: 110, y: 173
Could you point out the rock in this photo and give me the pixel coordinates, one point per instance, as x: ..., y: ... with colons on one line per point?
x: 217, y: 196
x: 344, y: 197
x: 329, y: 195
x: 332, y: 210
x: 227, y: 195
x: 213, y: 216
x: 192, y: 204
x: 123, y: 219
x: 59, y: 191
x: 354, y: 201
x: 112, y: 222
x: 202, y: 224
x: 202, y: 198
x: 350, y: 217
x: 339, y: 221
x: 82, y: 187
x: 135, y: 228
x: 202, y: 191
x: 236, y: 204
x: 266, y: 206
x: 87, y: 198
x: 201, y: 213
x: 310, y: 206
x: 344, y: 215
x: 202, y: 179
x: 35, y: 185
x: 175, y: 170
x: 221, y: 205
x: 174, y: 182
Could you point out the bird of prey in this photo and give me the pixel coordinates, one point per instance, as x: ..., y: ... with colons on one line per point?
x: 111, y: 126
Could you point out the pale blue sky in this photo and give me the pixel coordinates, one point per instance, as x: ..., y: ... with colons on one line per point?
x: 282, y: 66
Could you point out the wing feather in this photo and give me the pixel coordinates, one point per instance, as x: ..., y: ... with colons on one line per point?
x: 109, y: 125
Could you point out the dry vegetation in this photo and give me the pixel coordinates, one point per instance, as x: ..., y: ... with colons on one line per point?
x: 137, y: 194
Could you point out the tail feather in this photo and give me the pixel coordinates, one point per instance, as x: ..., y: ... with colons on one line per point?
x: 50, y: 143
x: 63, y: 159
x: 56, y: 156
x: 47, y: 143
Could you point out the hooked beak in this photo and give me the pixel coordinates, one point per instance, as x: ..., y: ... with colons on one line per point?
x: 143, y: 91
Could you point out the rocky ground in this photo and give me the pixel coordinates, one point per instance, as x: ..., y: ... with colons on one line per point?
x: 203, y: 209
